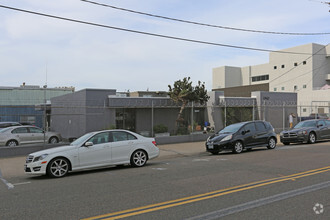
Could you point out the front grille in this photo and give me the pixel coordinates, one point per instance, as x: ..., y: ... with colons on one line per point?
x: 290, y: 135
x: 36, y: 169
x: 29, y: 159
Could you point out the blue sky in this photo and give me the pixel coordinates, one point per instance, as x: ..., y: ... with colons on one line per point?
x: 86, y: 56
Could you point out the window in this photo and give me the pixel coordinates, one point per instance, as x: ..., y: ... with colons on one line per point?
x: 275, y: 89
x: 304, y: 62
x: 295, y: 64
x: 20, y: 131
x: 283, y: 88
x: 275, y: 67
x: 304, y: 110
x: 260, y: 126
x: 100, y: 138
x: 321, y: 123
x: 327, y: 122
x: 250, y: 127
x: 260, y: 78
x: 35, y: 130
x: 304, y: 86
x: 122, y: 136
x: 283, y: 66
x: 295, y: 87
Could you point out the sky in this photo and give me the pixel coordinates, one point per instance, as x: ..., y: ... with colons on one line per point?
x: 40, y: 50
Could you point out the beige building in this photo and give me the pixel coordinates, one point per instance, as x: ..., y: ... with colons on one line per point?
x: 304, y: 70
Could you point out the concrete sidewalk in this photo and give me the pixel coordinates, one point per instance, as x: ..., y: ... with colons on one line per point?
x: 12, y: 167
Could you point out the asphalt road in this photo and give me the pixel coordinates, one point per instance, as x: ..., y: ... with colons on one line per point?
x: 291, y: 182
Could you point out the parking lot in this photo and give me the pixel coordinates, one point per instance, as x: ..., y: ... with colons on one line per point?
x: 185, y: 182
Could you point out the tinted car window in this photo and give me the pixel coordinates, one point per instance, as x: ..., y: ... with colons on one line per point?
x: 320, y: 123
x: 20, y: 131
x: 250, y: 127
x: 100, y: 138
x: 122, y: 136
x: 35, y: 130
x: 327, y: 122
x: 260, y: 126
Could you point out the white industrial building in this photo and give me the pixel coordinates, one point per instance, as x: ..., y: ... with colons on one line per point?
x: 304, y: 70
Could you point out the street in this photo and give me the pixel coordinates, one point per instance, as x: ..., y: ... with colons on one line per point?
x: 290, y: 182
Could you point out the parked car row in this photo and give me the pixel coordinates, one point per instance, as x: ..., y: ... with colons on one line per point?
x: 252, y: 134
x: 117, y: 147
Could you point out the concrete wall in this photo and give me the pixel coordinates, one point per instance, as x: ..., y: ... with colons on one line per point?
x: 78, y: 113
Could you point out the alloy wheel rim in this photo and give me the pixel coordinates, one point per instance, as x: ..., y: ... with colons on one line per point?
x: 139, y: 158
x: 59, y: 167
x: 272, y: 143
x: 238, y: 147
x: 312, y: 138
x: 12, y: 144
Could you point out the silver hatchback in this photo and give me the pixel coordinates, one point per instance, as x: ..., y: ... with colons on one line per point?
x: 17, y: 135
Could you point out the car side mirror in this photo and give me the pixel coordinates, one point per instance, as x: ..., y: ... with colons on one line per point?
x: 88, y: 144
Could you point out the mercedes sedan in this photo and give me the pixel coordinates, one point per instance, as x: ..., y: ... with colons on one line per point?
x: 93, y: 150
x: 240, y: 136
x: 307, y: 131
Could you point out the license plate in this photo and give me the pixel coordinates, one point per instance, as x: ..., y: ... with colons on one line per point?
x: 210, y: 146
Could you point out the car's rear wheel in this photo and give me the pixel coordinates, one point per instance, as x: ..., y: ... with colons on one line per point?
x: 12, y: 143
x: 238, y: 147
x: 311, y: 138
x: 271, y: 143
x: 139, y: 158
x: 53, y: 140
x: 58, y: 167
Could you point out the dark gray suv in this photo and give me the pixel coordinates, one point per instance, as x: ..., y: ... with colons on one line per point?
x: 240, y: 136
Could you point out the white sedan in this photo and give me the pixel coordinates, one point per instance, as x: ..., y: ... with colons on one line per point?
x: 93, y: 150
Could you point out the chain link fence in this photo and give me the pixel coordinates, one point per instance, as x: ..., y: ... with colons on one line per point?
x: 158, y: 117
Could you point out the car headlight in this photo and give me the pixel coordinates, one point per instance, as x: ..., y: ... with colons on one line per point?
x: 41, y: 157
x: 227, y: 138
x: 302, y: 132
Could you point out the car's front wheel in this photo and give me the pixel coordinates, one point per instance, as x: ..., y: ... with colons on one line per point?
x: 271, y: 143
x: 311, y: 138
x: 238, y: 147
x: 139, y: 158
x: 12, y: 143
x: 58, y: 167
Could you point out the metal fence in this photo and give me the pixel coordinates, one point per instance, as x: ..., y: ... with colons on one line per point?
x: 159, y: 117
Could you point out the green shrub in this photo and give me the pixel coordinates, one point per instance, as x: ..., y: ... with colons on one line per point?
x: 160, y: 128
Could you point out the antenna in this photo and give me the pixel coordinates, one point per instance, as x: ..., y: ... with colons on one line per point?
x: 46, y: 72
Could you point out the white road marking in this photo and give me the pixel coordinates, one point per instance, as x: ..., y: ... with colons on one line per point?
x: 159, y: 168
x: 198, y: 160
x: 17, y: 184
x: 9, y: 185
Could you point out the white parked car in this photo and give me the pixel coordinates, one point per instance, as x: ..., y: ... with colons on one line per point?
x: 93, y: 150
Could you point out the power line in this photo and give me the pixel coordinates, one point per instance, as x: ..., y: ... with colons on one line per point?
x: 151, y: 34
x: 199, y: 23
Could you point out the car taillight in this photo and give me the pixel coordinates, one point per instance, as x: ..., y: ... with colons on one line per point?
x: 154, y: 142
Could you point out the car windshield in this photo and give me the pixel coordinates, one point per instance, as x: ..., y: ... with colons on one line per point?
x: 231, y: 128
x: 82, y: 139
x: 3, y: 130
x: 305, y: 124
